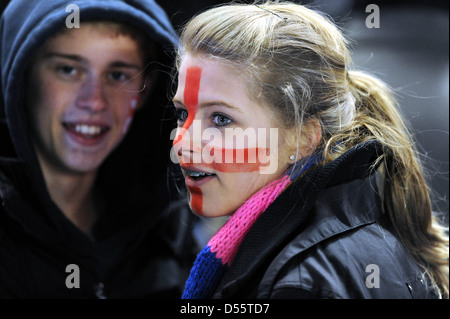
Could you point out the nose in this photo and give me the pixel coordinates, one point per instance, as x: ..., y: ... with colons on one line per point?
x: 91, y: 96
x: 188, y: 143
x: 183, y: 143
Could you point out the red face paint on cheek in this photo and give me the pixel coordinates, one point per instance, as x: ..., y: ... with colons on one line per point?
x: 241, y: 160
x: 133, y: 105
x: 131, y: 111
x: 190, y: 96
x: 196, y: 199
x: 235, y: 160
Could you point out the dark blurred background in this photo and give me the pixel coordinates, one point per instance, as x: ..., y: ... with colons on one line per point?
x: 409, y: 51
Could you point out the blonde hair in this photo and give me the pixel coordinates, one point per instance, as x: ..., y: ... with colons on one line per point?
x: 298, y: 63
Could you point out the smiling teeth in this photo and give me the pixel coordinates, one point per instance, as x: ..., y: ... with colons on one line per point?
x: 88, y: 129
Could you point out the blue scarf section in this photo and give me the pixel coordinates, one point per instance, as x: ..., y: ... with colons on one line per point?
x: 205, y: 275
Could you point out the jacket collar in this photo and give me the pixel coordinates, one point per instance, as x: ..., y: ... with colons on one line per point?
x: 290, y: 215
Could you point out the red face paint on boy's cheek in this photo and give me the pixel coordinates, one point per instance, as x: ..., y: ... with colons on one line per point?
x: 131, y: 110
x: 190, y: 96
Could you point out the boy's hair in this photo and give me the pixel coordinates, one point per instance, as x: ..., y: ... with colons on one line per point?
x: 149, y: 49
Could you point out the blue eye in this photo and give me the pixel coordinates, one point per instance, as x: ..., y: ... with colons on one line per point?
x: 182, y: 115
x: 221, y: 120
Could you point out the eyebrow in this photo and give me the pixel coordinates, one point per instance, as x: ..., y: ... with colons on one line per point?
x: 212, y: 103
x: 77, y: 58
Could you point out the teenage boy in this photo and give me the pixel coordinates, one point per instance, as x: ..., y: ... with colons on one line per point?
x: 85, y: 207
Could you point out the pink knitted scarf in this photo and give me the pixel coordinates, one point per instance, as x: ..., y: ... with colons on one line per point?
x: 225, y: 243
x: 216, y: 257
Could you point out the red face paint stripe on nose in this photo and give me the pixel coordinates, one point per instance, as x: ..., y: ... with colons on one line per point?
x: 190, y: 96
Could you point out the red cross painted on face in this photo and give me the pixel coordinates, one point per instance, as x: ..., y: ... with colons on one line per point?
x: 226, y: 160
x: 190, y: 96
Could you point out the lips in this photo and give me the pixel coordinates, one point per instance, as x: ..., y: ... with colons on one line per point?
x: 195, y: 177
x: 86, y: 133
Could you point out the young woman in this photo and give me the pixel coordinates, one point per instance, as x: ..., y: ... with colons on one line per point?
x: 336, y: 205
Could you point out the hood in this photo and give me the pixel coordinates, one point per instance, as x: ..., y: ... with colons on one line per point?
x: 23, y: 28
x: 143, y: 156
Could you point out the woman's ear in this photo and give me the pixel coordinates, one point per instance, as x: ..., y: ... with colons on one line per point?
x: 302, y: 143
x: 310, y: 137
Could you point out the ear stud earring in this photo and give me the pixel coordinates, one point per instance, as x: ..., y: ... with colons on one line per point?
x: 292, y: 157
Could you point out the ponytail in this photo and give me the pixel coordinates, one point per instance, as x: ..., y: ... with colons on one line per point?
x: 406, y: 199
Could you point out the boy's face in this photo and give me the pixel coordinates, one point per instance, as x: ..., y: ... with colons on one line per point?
x: 83, y: 89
